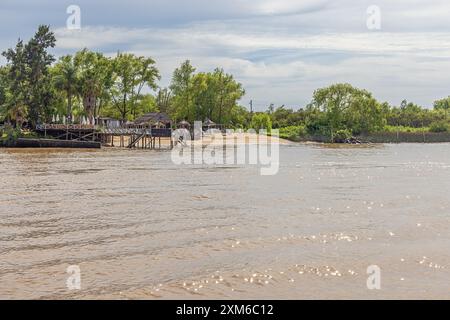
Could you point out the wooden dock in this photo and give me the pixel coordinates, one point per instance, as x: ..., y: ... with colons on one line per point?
x: 138, y: 137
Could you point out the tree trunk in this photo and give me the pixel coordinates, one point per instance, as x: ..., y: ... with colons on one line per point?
x: 69, y: 107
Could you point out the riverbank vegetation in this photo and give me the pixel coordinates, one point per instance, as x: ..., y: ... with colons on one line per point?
x: 35, y: 88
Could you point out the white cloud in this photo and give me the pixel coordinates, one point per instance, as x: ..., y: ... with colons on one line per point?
x: 381, y: 62
x: 280, y: 50
x: 211, y: 38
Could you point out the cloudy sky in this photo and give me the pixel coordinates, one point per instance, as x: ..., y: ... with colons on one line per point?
x: 280, y: 50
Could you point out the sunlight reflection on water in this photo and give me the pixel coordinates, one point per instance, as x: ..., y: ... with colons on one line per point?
x: 140, y: 227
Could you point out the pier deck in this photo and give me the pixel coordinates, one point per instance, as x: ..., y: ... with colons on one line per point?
x: 132, y: 137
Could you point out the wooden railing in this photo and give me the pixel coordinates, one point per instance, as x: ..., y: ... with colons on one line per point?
x: 65, y: 127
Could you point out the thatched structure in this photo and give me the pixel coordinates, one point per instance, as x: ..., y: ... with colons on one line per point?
x: 184, y: 125
x: 154, y: 119
x: 209, y: 123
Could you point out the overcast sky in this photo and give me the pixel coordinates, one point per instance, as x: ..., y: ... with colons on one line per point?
x: 280, y: 50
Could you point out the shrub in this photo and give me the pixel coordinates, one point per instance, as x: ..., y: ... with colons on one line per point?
x: 439, y: 127
x: 341, y: 136
x: 293, y: 133
x: 261, y: 121
x: 9, y: 136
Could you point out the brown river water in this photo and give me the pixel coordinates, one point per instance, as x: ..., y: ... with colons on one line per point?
x: 140, y: 227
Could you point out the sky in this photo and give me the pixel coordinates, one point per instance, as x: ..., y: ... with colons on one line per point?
x: 281, y: 51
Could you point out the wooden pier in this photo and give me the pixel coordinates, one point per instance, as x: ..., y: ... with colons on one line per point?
x: 151, y: 131
x: 131, y: 138
x: 137, y: 138
x: 74, y: 132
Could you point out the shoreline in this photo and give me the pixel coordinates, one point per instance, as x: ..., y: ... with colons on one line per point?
x: 374, y: 139
x: 385, y: 138
x: 25, y: 143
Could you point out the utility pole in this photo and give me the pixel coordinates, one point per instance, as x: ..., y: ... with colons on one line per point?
x: 251, y: 106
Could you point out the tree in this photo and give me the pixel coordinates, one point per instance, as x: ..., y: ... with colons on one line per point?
x: 239, y: 117
x: 3, y: 91
x: 365, y: 115
x: 95, y: 80
x: 11, y: 112
x: 163, y: 100
x: 227, y: 93
x: 261, y: 121
x: 132, y: 75
x: 211, y: 95
x: 444, y: 105
x: 145, y: 104
x: 347, y: 107
x: 281, y: 116
x: 29, y: 79
x: 146, y: 76
x: 66, y: 78
x: 181, y: 89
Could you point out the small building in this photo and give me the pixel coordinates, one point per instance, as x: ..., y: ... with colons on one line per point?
x: 154, y: 120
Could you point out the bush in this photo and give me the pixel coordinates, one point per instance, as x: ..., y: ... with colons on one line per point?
x: 261, y: 121
x: 9, y: 136
x: 439, y: 127
x: 293, y: 133
x: 342, y: 136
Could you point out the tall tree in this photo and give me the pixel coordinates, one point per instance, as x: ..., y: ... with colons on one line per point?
x: 338, y: 101
x: 181, y: 86
x: 66, y: 78
x: 132, y: 75
x: 228, y: 93
x: 163, y: 100
x: 443, y: 105
x: 30, y: 81
x: 3, y: 91
x: 212, y: 95
x: 96, y: 79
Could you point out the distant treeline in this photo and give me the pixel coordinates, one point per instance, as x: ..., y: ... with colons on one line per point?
x: 35, y: 87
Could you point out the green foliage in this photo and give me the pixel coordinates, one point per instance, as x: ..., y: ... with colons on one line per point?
x: 33, y: 88
x: 3, y: 93
x: 403, y: 129
x: 198, y: 96
x: 443, y: 104
x: 261, y: 121
x: 342, y: 136
x: 239, y: 117
x: 95, y: 79
x: 440, y: 126
x: 284, y: 117
x: 132, y: 75
x: 30, y: 85
x: 66, y: 78
x: 9, y: 136
x: 164, y: 100
x: 293, y: 133
x: 346, y: 107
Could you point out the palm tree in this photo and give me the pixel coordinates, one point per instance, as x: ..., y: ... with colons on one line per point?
x: 96, y: 77
x: 163, y: 100
x: 66, y: 78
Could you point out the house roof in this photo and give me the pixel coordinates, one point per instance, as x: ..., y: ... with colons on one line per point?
x: 153, y: 117
x: 208, y: 122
